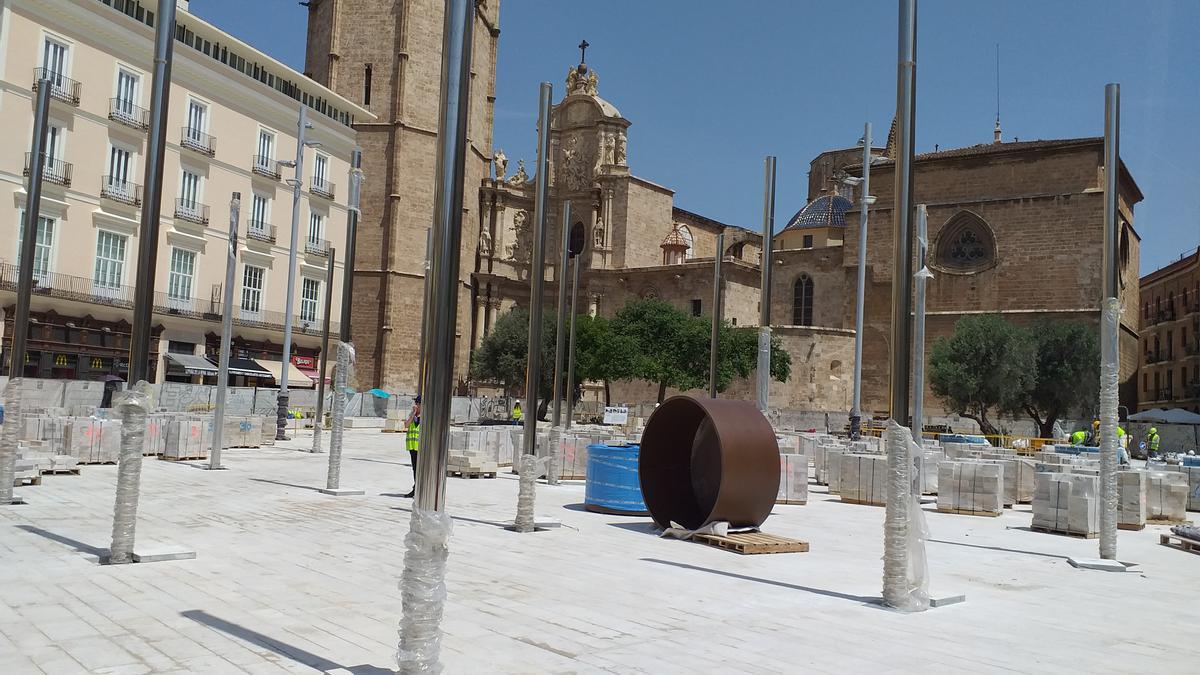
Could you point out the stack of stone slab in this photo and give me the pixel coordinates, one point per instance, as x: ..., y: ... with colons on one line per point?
x: 828, y: 463
x: 1166, y: 496
x: 240, y: 431
x: 793, y: 479
x: 92, y: 441
x: 971, y: 488
x: 929, y: 460
x: 862, y: 479
x: 1131, y: 499
x: 188, y: 439
x: 44, y: 458
x: 1067, y: 503
x: 1020, y: 479
x: 1193, y: 480
x: 470, y: 465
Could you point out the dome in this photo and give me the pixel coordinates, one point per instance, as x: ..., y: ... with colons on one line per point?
x: 824, y: 211
x: 674, y: 238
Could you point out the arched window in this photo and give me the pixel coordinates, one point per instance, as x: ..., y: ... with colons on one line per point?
x: 691, y: 242
x: 965, y: 244
x: 802, y: 301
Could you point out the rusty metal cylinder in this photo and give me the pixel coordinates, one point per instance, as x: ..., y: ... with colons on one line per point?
x: 706, y: 460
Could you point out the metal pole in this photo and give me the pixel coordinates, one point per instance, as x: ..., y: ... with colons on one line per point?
x: 716, y: 316
x: 352, y: 208
x: 33, y: 212
x: 571, y: 342
x: 918, y: 377
x: 129, y: 469
x: 425, y: 290
x: 344, y: 359
x: 902, y: 241
x: 281, y: 403
x: 864, y: 203
x: 764, y: 309
x: 560, y: 333
x: 214, y: 456
x: 1110, y: 361
x: 537, y: 273
x: 324, y: 363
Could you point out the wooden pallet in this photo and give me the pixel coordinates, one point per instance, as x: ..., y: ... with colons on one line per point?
x: 179, y: 459
x: 471, y: 474
x: 1077, y: 535
x: 27, y: 480
x: 1167, y: 521
x: 89, y: 463
x: 794, y: 502
x: 860, y: 502
x: 1131, y: 526
x: 967, y: 512
x: 392, y: 431
x: 748, y: 543
x: 1179, y: 543
x: 52, y: 472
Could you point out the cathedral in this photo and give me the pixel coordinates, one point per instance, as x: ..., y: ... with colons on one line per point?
x: 1009, y: 223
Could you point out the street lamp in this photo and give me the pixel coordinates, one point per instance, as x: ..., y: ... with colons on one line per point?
x: 864, y: 202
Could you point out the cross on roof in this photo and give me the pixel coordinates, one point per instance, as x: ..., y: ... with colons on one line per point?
x: 583, y: 51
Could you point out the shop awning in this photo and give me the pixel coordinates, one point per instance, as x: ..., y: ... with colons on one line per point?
x: 248, y: 368
x: 296, y: 379
x: 313, y: 375
x: 191, y: 364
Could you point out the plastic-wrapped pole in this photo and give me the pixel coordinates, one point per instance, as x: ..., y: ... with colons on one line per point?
x: 764, y: 308
x: 902, y: 240
x: 571, y: 343
x: 8, y: 439
x: 918, y: 368
x: 560, y: 333
x: 905, y: 569
x: 865, y: 200
x: 324, y: 363
x: 281, y: 401
x: 422, y: 586
x: 526, y: 491
x: 1110, y: 321
x: 214, y: 455
x: 341, y: 379
x: 133, y: 405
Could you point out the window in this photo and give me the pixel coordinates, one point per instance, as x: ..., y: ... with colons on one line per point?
x: 1145, y: 382
x: 259, y: 213
x: 802, y: 301
x: 1169, y: 388
x: 43, y: 250
x: 55, y: 136
x: 54, y: 60
x: 266, y: 147
x: 367, y: 85
x: 807, y: 242
x: 316, y: 228
x: 189, y: 191
x: 1170, y: 346
x: 181, y: 276
x: 252, y: 289
x: 127, y: 91
x: 310, y: 292
x: 110, y: 261
x: 689, y: 240
x: 119, y: 165
x: 965, y: 244
x: 197, y: 121
x: 697, y: 307
x: 320, y: 170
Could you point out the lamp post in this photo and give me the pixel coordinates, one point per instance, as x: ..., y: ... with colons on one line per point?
x: 214, y: 456
x: 281, y: 404
x: 345, y: 350
x: 764, y: 309
x: 866, y: 199
x: 324, y: 362
x: 716, y: 317
x: 560, y: 336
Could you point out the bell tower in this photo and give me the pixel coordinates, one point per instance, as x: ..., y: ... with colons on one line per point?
x: 386, y: 55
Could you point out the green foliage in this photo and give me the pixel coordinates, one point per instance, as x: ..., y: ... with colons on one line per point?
x: 988, y: 364
x: 503, y: 353
x: 1068, y: 372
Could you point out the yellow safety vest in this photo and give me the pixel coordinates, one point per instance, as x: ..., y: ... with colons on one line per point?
x: 412, y: 439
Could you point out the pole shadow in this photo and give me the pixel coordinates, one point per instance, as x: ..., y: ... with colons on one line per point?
x: 377, y: 461
x: 100, y: 553
x: 279, y: 482
x: 997, y: 548
x: 870, y: 601
x: 284, y: 649
x: 461, y: 519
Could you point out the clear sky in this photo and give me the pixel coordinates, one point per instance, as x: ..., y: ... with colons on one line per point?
x: 712, y: 86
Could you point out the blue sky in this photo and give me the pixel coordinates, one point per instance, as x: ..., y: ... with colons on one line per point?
x: 712, y: 86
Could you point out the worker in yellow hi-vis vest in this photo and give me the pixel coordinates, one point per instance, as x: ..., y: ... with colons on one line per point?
x: 412, y: 440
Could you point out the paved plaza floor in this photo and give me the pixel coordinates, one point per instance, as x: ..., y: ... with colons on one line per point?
x: 289, y: 580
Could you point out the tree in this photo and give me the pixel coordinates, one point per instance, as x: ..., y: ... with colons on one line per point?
x: 988, y: 364
x: 1068, y: 372
x: 503, y: 354
x: 670, y: 348
x: 602, y: 354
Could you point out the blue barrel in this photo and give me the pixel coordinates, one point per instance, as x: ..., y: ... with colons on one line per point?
x: 613, y: 485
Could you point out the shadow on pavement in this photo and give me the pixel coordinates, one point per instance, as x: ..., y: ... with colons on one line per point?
x: 101, y: 553
x: 873, y: 601
x: 282, y: 648
x: 279, y: 482
x: 997, y: 548
x: 461, y: 519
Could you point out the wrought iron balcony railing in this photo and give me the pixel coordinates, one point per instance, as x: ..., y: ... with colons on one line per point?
x: 62, y: 87
x: 321, y: 188
x: 260, y: 231
x: 127, y: 113
x: 194, y: 139
x: 265, y: 166
x: 118, y: 190
x: 317, y: 246
x: 53, y: 170
x: 191, y: 211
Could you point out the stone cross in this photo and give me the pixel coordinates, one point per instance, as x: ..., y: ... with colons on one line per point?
x: 583, y: 51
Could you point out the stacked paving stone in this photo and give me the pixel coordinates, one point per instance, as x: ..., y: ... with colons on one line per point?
x: 1166, y: 496
x: 469, y: 464
x: 862, y: 479
x: 972, y: 488
x: 1131, y: 499
x: 1067, y: 503
x: 92, y: 441
x: 186, y: 439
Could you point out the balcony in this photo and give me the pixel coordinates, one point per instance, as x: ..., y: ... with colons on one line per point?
x: 62, y: 88
x: 1163, y: 394
x: 1192, y: 390
x: 125, y: 112
x: 318, y: 247
x: 265, y: 166
x: 260, y: 231
x: 53, y: 170
x: 121, y: 191
x: 1192, y: 349
x: 1165, y: 316
x: 191, y: 211
x: 86, y: 290
x: 321, y: 187
x: 193, y: 139
x: 1192, y: 309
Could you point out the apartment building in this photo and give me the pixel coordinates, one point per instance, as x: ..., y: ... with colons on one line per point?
x: 232, y: 128
x: 1170, y: 314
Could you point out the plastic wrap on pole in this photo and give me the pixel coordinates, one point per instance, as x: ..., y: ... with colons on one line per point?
x: 1110, y: 363
x: 345, y: 361
x: 526, y: 491
x: 8, y: 439
x: 764, y: 368
x: 905, y: 569
x: 133, y: 405
x: 316, y: 446
x: 423, y: 591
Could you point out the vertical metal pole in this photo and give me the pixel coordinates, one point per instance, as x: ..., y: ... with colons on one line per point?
x: 571, y: 342
x: 281, y: 404
x: 1110, y: 353
x: 764, y: 308
x: 214, y: 456
x: 918, y: 374
x: 537, y: 273
x: 560, y: 333
x: 352, y: 208
x: 902, y: 241
x: 324, y: 363
x: 716, y: 316
x: 864, y: 204
x: 425, y: 308
x: 33, y: 213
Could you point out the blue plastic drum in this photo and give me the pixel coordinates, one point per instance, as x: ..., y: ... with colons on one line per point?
x: 612, y: 480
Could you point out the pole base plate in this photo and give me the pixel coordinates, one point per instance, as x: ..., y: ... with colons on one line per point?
x: 1098, y: 564
x: 947, y: 600
x: 161, y: 553
x: 18, y: 500
x: 342, y: 492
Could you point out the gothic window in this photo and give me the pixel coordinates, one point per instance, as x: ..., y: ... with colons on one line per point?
x: 966, y: 244
x: 802, y: 301
x: 689, y: 240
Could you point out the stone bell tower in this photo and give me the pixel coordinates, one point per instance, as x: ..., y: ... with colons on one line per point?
x: 386, y: 56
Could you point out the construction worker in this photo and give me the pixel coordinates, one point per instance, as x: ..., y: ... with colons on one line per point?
x: 1078, y: 437
x: 1093, y: 437
x: 412, y: 440
x: 1152, y: 442
x: 516, y: 412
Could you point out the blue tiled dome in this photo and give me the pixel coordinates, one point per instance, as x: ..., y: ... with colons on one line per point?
x: 824, y: 211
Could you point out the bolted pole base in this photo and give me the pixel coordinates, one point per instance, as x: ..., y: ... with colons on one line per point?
x: 855, y: 427
x: 281, y: 410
